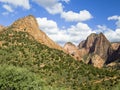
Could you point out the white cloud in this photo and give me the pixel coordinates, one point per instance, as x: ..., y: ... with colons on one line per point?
x: 8, y: 8
x: 111, y: 35
x: 115, y: 17
x: 48, y: 26
x: 118, y: 24
x: 52, y: 6
x: 75, y: 33
x: 56, y: 7
x: 17, y: 3
x: 73, y: 16
x: 79, y: 32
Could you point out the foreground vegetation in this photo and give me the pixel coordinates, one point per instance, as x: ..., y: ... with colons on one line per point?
x: 26, y: 64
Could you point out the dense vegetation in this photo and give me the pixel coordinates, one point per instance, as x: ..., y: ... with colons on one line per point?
x: 26, y: 64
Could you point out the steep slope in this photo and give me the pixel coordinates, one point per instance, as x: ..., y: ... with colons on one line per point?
x: 72, y: 50
x: 115, y: 56
x: 26, y: 59
x: 29, y: 24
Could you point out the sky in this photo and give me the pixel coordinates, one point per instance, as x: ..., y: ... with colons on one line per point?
x: 67, y: 20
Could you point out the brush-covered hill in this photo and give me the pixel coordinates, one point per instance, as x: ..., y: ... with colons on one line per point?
x: 29, y: 24
x: 26, y: 64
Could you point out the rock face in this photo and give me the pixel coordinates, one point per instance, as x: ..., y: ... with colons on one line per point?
x: 97, y: 49
x: 1, y: 27
x: 30, y: 25
x: 115, y: 56
x: 115, y: 46
x: 72, y: 50
x: 96, y: 61
x: 97, y: 44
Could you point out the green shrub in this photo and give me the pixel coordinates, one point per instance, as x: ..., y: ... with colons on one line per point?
x: 16, y: 78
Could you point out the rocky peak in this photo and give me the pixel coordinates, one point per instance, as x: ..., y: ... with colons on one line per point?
x: 102, y: 46
x: 72, y: 50
x: 97, y: 44
x: 26, y: 24
x: 97, y: 48
x: 30, y: 25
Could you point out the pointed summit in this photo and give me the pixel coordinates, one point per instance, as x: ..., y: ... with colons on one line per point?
x: 26, y: 24
x: 29, y: 24
x: 97, y: 48
x: 97, y: 44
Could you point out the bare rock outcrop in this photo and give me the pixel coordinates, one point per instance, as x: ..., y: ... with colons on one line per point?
x: 30, y: 25
x: 115, y: 56
x: 96, y: 61
x: 97, y: 44
x: 72, y: 50
x: 115, y: 46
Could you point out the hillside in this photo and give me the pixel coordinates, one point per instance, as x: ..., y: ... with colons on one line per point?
x: 29, y: 24
x: 26, y: 64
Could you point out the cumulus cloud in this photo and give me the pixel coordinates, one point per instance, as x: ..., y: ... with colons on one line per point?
x: 111, y: 35
x: 74, y: 33
x: 51, y: 29
x: 7, y: 7
x: 52, y: 6
x: 73, y: 16
x: 56, y: 7
x: 115, y: 17
x: 49, y: 26
x: 17, y: 3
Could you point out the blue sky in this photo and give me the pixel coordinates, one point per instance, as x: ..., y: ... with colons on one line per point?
x: 67, y: 20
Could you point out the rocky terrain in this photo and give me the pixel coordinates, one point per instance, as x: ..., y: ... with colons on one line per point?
x: 97, y: 50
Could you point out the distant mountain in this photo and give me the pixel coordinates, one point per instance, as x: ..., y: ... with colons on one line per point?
x: 97, y: 50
